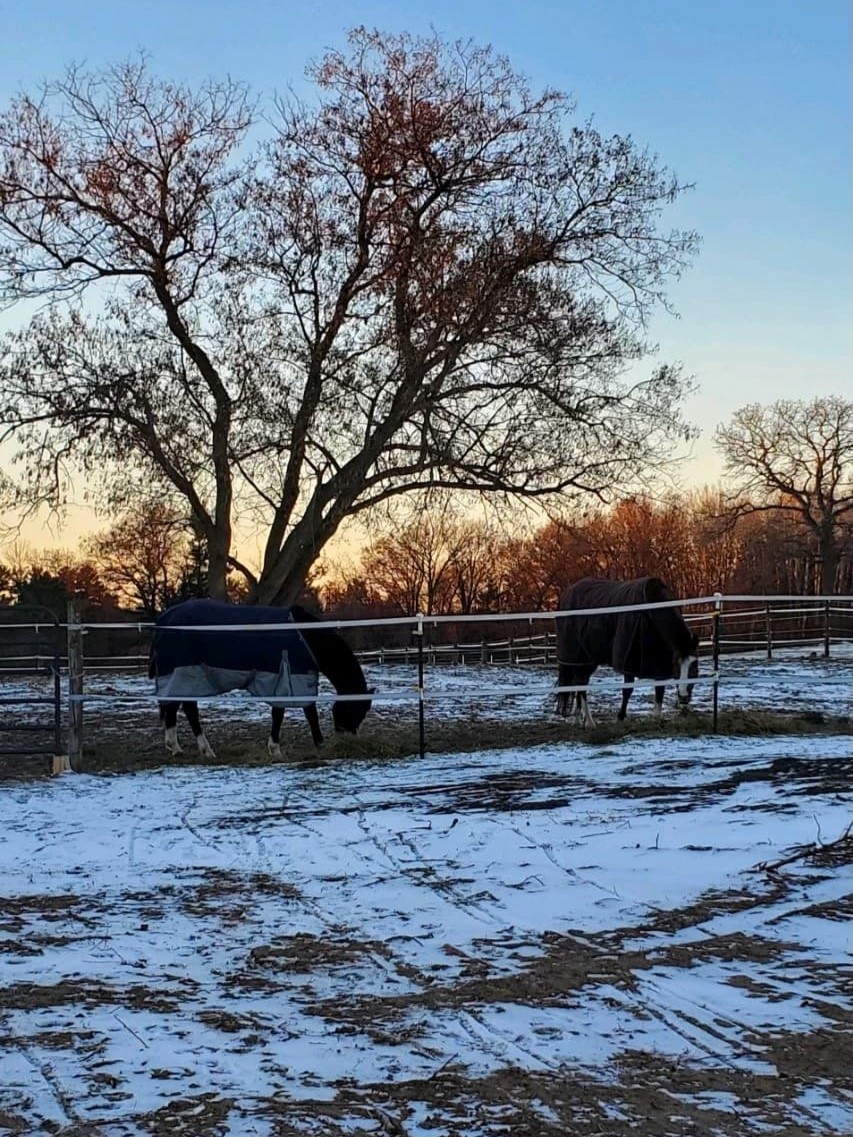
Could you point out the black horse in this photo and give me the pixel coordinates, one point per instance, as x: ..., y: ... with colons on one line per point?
x: 651, y: 644
x: 275, y: 663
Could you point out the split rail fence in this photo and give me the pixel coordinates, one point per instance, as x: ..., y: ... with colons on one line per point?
x: 740, y: 624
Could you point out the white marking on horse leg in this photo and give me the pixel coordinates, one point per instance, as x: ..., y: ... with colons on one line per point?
x: 204, y: 747
x: 588, y: 720
x: 658, y: 709
x: 172, y: 744
x: 683, y: 676
x: 273, y: 748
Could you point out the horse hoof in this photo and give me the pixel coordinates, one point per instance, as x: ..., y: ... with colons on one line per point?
x: 204, y: 747
x: 273, y: 749
x: 171, y: 741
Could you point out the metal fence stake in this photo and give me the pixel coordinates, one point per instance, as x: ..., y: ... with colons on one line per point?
x: 75, y: 684
x: 718, y: 607
x: 826, y: 631
x: 419, y: 632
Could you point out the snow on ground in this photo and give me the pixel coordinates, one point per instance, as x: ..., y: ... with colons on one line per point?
x: 792, y: 681
x: 554, y: 939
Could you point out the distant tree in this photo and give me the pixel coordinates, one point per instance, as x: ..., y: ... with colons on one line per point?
x: 146, y: 556
x: 715, y: 550
x: 477, y: 566
x: 152, y: 556
x: 540, y: 566
x: 432, y: 278
x: 412, y: 569
x: 795, y: 458
x: 51, y: 580
x: 7, y: 585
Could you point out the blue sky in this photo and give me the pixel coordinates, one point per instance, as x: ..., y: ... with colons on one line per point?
x: 751, y: 100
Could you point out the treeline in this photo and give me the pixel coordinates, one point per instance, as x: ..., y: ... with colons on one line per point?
x: 440, y: 564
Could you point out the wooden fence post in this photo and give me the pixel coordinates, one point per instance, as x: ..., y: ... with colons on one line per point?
x: 75, y: 684
x: 769, y: 628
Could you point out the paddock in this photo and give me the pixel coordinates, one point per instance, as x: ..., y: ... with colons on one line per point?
x: 523, y: 941
x: 643, y: 933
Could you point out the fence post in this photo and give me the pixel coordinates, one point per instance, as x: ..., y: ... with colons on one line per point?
x: 75, y: 684
x: 826, y: 636
x: 419, y: 633
x: 60, y: 759
x: 718, y: 607
x: 768, y: 624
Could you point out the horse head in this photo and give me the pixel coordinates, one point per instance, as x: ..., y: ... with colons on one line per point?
x: 350, y: 714
x: 686, y: 667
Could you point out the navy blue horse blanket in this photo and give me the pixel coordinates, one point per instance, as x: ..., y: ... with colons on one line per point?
x: 193, y: 664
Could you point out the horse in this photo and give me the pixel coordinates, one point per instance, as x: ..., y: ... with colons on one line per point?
x: 272, y: 663
x: 651, y: 644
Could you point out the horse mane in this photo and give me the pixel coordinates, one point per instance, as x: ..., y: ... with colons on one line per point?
x: 334, y: 656
x: 669, y: 622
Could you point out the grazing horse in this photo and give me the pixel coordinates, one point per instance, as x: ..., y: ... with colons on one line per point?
x: 651, y: 644
x: 271, y: 663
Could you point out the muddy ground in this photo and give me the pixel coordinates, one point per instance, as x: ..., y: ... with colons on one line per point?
x: 541, y: 962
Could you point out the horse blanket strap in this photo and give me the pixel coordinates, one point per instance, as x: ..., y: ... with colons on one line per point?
x: 194, y: 664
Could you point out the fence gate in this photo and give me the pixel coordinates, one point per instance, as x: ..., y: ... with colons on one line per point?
x: 30, y: 659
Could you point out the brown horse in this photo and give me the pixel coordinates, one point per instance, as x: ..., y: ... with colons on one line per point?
x: 651, y: 644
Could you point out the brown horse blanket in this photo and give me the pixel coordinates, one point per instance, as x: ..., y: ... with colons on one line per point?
x: 636, y: 643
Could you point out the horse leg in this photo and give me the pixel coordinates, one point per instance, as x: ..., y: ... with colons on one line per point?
x: 169, y: 718
x: 582, y: 714
x: 588, y: 720
x: 273, y: 742
x: 626, y: 695
x: 564, y: 699
x: 659, y: 693
x: 314, y: 723
x: 191, y: 712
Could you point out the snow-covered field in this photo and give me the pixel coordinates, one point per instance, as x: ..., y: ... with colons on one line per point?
x: 552, y: 940
x: 791, y: 682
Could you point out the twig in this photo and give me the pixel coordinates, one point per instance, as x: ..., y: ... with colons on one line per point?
x: 442, y: 1067
x: 130, y: 1028
x: 804, y: 851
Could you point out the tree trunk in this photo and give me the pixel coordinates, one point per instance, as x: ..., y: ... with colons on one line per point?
x: 217, y: 567
x: 285, y: 579
x: 829, y: 563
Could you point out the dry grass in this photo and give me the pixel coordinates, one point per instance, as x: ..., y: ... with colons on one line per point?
x: 136, y: 742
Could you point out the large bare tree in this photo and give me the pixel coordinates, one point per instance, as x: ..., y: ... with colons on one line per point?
x: 795, y: 457
x: 431, y: 278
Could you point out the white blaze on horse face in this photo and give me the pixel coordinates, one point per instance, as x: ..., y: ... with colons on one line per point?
x: 683, y: 676
x: 172, y: 744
